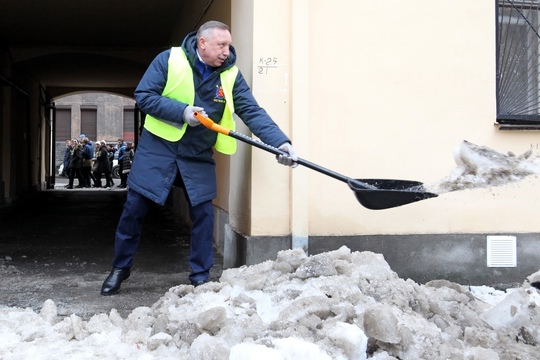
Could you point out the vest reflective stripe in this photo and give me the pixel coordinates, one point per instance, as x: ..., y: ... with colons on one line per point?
x: 180, y: 87
x: 226, y: 144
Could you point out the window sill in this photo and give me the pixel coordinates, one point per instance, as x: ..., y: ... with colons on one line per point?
x: 517, y: 126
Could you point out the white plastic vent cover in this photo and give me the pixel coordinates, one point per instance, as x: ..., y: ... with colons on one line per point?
x: 501, y: 251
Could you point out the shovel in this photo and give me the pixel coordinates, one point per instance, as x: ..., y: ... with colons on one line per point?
x: 374, y: 194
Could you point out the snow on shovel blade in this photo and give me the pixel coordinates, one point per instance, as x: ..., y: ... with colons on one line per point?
x: 388, y: 193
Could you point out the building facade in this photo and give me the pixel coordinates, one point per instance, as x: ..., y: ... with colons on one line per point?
x: 369, y: 89
x: 99, y: 116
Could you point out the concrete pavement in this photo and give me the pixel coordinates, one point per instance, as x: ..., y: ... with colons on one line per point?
x: 58, y: 245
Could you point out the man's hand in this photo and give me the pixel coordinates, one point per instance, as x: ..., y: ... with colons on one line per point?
x: 189, y: 117
x: 287, y: 160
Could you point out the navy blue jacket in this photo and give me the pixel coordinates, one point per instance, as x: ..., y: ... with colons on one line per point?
x: 158, y: 161
x: 88, y: 151
x: 67, y: 158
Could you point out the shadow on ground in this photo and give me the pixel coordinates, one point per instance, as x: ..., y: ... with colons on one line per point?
x: 58, y: 245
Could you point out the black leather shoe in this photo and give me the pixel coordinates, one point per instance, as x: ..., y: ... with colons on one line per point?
x: 111, y: 285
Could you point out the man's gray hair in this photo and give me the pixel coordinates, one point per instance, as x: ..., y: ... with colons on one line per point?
x: 206, y: 28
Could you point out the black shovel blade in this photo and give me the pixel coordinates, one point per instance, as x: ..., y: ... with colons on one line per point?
x: 388, y: 193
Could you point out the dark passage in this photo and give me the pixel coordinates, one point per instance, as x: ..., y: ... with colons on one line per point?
x: 58, y: 245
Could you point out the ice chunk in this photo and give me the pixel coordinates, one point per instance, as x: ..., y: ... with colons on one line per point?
x: 249, y: 351
x: 304, y: 306
x: 534, y: 279
x: 479, y: 353
x: 381, y: 324
x: 299, y: 349
x: 370, y: 266
x: 316, y: 266
x: 78, y: 329
x: 350, y: 339
x: 206, y: 347
x: 49, y: 312
x: 519, y: 307
x: 157, y: 340
x: 293, y: 258
x: 211, y: 319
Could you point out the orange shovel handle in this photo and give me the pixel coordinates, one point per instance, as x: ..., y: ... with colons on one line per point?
x: 208, y: 123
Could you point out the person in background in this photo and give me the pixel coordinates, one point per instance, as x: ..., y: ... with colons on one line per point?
x: 110, y: 154
x: 67, y: 156
x: 88, y: 154
x: 95, y: 165
x: 200, y: 76
x: 127, y: 160
x: 102, y: 158
x: 75, y: 165
x: 121, y: 153
x: 111, y: 149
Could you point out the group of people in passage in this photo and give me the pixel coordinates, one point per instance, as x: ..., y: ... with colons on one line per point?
x: 91, y: 163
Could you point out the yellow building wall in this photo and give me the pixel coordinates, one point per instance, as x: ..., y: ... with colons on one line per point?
x: 373, y: 89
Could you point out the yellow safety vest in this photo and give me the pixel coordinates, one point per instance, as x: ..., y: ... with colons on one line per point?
x: 180, y: 86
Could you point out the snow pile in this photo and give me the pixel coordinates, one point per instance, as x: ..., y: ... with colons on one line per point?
x: 482, y: 167
x: 335, y: 305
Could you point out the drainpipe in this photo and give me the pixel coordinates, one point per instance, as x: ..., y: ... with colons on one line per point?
x: 299, y: 122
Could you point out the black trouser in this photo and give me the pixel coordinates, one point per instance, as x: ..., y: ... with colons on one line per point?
x: 75, y: 172
x: 129, y: 229
x: 123, y: 177
x: 108, y: 179
x: 86, y: 173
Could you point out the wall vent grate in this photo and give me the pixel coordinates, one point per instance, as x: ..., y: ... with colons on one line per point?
x: 501, y: 251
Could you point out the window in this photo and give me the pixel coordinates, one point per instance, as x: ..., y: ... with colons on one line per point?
x: 129, y: 124
x: 63, y: 124
x: 518, y: 72
x: 89, y: 123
